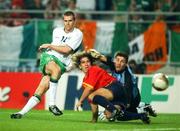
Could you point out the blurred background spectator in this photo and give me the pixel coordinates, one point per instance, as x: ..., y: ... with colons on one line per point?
x: 135, y: 24
x: 4, y: 5
x: 93, y: 5
x: 103, y: 5
x: 71, y: 5
x: 86, y: 5
x: 120, y: 5
x: 34, y: 5
x: 141, y: 68
x: 132, y: 64
x: 52, y: 5
x: 137, y: 68
x: 18, y: 18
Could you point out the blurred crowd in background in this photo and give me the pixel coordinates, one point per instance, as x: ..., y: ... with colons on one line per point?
x: 85, y: 5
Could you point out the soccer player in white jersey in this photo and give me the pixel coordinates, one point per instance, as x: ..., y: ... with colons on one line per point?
x: 54, y: 62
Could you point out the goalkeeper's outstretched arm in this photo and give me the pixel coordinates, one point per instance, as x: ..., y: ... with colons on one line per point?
x: 103, y: 58
x: 97, y: 55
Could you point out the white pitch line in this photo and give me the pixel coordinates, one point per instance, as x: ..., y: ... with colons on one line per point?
x: 142, y: 129
x: 47, y: 113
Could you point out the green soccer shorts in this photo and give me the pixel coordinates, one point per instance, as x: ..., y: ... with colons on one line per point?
x: 46, y: 58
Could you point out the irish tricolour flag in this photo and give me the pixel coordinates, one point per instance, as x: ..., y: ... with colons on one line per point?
x: 16, y: 43
x: 22, y: 42
x: 150, y: 47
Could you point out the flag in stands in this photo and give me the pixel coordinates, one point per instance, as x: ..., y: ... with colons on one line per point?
x: 44, y: 32
x: 89, y: 33
x: 175, y: 47
x: 22, y: 42
x: 106, y: 37
x: 16, y: 43
x: 150, y: 46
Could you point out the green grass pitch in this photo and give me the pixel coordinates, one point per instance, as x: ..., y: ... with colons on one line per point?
x: 40, y: 120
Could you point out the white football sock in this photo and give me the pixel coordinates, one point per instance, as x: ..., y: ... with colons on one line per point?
x: 52, y: 93
x: 32, y: 102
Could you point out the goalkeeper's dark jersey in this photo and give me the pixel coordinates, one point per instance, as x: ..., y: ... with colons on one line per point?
x: 128, y: 79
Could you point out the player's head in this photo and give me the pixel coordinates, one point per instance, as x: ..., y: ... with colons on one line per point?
x: 69, y: 21
x: 83, y: 60
x: 120, y: 61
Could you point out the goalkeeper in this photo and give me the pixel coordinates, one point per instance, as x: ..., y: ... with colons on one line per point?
x: 122, y: 72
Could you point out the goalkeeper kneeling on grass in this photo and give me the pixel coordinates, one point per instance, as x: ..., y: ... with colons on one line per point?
x: 123, y: 73
x: 102, y: 89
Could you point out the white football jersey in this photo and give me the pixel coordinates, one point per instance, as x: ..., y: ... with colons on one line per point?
x: 72, y: 39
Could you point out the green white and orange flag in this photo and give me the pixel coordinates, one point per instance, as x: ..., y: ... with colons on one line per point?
x: 175, y: 47
x: 17, y: 43
x: 89, y: 33
x: 105, y: 37
x: 150, y: 46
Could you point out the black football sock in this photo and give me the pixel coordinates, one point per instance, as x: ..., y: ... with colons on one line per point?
x: 100, y: 100
x: 130, y: 116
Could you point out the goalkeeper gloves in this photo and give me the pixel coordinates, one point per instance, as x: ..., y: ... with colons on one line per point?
x: 94, y: 53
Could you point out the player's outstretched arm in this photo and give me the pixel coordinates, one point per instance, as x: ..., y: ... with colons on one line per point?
x: 97, y: 55
x: 61, y: 49
x: 84, y: 95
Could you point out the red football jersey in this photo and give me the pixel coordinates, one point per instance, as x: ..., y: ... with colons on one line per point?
x: 96, y: 78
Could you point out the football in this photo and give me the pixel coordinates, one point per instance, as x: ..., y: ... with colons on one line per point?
x: 160, y: 82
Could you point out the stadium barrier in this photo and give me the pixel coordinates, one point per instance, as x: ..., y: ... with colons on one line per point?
x: 16, y: 89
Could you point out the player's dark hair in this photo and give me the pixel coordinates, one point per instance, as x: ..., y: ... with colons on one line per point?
x: 122, y: 55
x: 76, y: 58
x: 91, y: 59
x: 69, y: 13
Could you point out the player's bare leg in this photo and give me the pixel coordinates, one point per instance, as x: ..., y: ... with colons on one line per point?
x: 94, y: 109
x: 35, y: 99
x: 55, y: 71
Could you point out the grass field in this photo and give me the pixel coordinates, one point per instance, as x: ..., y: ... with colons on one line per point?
x: 79, y: 121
